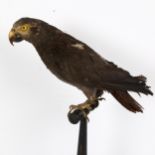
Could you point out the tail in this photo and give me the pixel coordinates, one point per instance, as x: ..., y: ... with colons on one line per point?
x: 136, y: 84
x: 124, y: 98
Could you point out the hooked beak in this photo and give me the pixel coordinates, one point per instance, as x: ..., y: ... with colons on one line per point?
x: 14, y: 37
x: 11, y: 36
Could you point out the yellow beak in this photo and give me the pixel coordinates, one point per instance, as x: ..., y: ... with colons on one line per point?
x: 12, y: 36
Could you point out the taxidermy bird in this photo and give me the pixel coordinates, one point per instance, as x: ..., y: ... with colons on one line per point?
x: 74, y: 62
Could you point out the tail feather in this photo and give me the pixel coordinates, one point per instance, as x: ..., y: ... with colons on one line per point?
x: 124, y: 98
x: 139, y: 84
x: 136, y: 84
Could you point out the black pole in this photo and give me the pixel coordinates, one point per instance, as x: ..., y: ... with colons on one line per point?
x: 82, y: 146
x: 75, y: 117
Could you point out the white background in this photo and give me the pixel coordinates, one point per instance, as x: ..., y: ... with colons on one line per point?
x: 34, y: 104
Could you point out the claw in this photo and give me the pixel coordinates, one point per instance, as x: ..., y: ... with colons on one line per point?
x: 85, y: 115
x: 73, y: 108
x: 100, y: 99
x: 79, y: 107
x: 85, y: 107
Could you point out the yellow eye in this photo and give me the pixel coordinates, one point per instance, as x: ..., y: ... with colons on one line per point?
x: 24, y: 27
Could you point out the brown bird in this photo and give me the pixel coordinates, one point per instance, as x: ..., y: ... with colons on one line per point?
x: 76, y: 63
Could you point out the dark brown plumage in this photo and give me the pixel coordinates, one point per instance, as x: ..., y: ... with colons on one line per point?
x: 76, y: 63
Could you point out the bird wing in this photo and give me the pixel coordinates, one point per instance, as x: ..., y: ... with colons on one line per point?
x: 89, y: 69
x: 91, y: 65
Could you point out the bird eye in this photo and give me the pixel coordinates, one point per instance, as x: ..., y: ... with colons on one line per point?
x: 24, y: 28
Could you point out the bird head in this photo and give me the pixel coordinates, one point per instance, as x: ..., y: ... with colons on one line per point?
x: 25, y: 29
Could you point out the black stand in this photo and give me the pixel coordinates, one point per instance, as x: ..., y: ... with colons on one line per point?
x: 82, y: 146
x: 80, y: 115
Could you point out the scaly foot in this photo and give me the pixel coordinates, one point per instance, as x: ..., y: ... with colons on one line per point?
x: 86, y: 107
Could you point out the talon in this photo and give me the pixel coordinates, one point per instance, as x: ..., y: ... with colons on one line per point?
x: 73, y: 108
x: 80, y: 107
x: 85, y: 115
x: 86, y: 107
x: 101, y: 98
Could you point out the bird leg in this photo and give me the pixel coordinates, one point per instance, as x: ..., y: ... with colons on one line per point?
x: 87, y: 106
